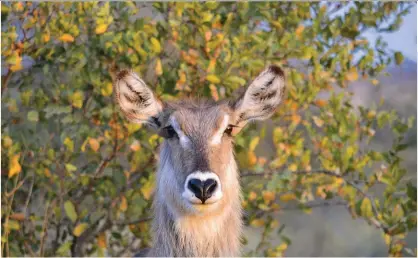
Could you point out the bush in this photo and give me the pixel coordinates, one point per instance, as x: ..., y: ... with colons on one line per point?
x: 77, y: 178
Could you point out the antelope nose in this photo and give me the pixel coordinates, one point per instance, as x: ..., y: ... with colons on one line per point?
x: 202, y: 189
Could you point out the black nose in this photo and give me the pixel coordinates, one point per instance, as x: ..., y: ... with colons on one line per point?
x: 202, y: 189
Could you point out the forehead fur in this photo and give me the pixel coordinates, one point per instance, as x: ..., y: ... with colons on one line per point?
x: 202, y: 115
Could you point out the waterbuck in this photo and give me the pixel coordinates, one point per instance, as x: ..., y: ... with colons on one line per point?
x: 197, y: 203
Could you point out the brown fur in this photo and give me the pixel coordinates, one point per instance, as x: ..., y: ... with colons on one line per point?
x: 181, y: 228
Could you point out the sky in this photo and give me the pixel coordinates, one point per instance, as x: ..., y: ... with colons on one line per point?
x: 403, y: 40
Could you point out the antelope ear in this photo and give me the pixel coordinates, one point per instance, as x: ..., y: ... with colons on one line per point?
x: 260, y: 100
x: 136, y: 99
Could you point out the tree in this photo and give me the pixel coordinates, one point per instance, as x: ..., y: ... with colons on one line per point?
x: 77, y: 178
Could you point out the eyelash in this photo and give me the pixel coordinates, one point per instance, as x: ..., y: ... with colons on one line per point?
x: 228, y: 130
x: 169, y: 132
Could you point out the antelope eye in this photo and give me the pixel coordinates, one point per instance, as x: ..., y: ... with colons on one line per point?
x: 168, y: 132
x: 228, y: 130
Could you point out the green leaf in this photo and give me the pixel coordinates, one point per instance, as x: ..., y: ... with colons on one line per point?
x: 13, y: 225
x: 64, y: 249
x: 398, y: 58
x: 156, y: 46
x: 33, y: 116
x: 70, y: 167
x: 366, y: 208
x: 70, y: 211
x: 213, y: 78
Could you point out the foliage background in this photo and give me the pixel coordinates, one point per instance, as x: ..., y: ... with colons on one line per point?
x: 77, y: 178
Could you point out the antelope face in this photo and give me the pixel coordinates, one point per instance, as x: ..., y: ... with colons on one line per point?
x: 197, y: 160
x: 199, y: 139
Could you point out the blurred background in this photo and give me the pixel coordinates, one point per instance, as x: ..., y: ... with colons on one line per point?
x: 77, y: 179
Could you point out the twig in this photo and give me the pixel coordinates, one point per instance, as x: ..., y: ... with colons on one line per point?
x: 105, y: 161
x: 315, y: 205
x: 132, y: 222
x: 8, y: 203
x: 27, y: 246
x: 29, y: 195
x: 44, y: 228
x: 4, y: 81
x: 16, y: 188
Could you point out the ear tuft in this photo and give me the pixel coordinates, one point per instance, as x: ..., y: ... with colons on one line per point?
x: 276, y: 70
x: 122, y: 74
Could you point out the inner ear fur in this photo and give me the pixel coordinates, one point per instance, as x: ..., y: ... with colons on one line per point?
x: 136, y: 100
x: 261, y: 98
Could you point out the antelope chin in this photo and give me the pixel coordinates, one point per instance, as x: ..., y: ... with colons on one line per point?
x: 205, y: 207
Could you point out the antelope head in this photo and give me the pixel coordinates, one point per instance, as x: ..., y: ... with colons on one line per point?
x: 197, y: 170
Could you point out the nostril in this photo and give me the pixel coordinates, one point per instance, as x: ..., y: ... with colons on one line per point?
x: 196, y: 186
x: 210, y: 187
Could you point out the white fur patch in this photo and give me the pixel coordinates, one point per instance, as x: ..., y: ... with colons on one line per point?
x: 202, y: 176
x: 184, y: 140
x: 217, y: 137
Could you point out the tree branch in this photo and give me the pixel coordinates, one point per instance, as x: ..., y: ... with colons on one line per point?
x: 353, y: 183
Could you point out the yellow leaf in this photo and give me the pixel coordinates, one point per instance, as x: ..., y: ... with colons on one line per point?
x: 107, y: 90
x: 7, y: 142
x: 318, y: 121
x: 252, y: 158
x: 156, y: 46
x: 46, y: 36
x: 371, y: 114
x: 77, y: 99
x: 214, y: 92
x: 17, y: 66
x: 282, y: 247
x: 257, y: 223
x: 254, y: 143
x: 47, y: 173
x: 366, y: 208
x: 375, y: 82
x: 66, y: 38
x: 252, y: 195
x: 18, y: 6
x: 274, y: 224
x: 69, y: 144
x: 211, y: 66
x: 277, y: 24
x: 135, y: 146
x: 12, y: 224
x: 287, y: 197
x: 208, y: 35
x: 79, y: 229
x: 299, y: 30
x: 147, y: 189
x: 123, y: 204
x: 296, y: 119
x: 14, y: 166
x: 101, y: 28
x: 293, y: 167
x: 101, y: 240
x: 83, y: 146
x: 320, y: 192
x: 213, y: 78
x: 94, y: 144
x: 158, y: 67
x: 352, y: 75
x: 339, y: 181
x: 320, y: 102
x: 268, y: 196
